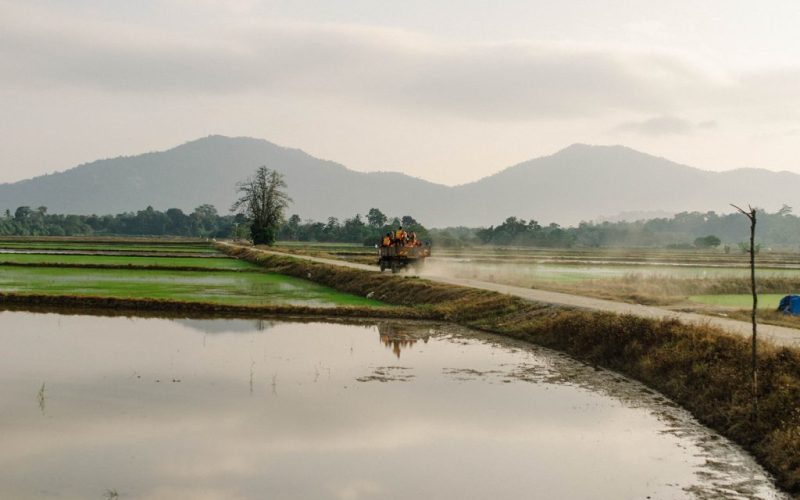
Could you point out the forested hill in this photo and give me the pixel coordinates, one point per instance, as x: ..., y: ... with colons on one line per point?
x: 206, y: 171
x: 578, y: 183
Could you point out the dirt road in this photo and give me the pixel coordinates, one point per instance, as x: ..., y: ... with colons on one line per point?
x: 776, y: 334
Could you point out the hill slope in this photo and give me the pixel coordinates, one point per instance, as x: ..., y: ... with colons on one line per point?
x: 578, y: 183
x: 206, y: 171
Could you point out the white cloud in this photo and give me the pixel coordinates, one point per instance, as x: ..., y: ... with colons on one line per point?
x: 86, y: 79
x: 515, y: 80
x: 661, y: 125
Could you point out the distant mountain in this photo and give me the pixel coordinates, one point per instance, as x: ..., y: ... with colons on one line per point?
x: 582, y: 182
x: 206, y: 171
x: 578, y: 183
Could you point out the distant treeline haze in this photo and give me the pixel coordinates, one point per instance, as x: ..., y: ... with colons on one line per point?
x: 688, y: 229
x: 204, y: 222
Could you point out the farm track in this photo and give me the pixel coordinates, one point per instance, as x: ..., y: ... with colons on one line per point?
x: 777, y: 335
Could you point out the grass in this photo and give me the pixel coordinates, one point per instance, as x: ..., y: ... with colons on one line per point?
x: 436, y: 300
x: 108, y: 247
x: 209, y: 287
x: 132, y: 260
x: 701, y: 368
x: 765, y: 300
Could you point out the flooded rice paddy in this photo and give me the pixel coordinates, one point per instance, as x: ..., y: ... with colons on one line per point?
x: 212, y: 262
x: 216, y: 286
x: 106, y: 407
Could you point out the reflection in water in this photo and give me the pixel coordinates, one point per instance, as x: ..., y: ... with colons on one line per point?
x: 398, y: 336
x: 227, y: 325
x: 315, y: 410
x: 40, y: 398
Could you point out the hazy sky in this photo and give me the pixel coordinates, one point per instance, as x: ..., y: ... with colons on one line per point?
x: 446, y: 91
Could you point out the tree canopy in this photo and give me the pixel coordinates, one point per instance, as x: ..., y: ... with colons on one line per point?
x: 263, y: 200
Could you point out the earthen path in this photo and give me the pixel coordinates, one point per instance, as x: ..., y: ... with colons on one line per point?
x: 776, y: 334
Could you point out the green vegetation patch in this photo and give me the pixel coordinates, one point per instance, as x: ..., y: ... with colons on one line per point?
x: 125, y: 260
x: 211, y: 287
x: 765, y: 301
x: 110, y: 247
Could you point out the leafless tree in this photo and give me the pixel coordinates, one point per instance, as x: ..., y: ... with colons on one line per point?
x: 750, y: 213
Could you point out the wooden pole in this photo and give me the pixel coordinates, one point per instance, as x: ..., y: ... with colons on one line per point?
x: 751, y: 214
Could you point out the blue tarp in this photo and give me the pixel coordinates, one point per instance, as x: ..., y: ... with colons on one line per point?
x: 790, y: 304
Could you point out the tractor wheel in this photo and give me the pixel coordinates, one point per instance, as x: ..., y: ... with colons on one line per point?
x: 383, y: 265
x: 395, y: 266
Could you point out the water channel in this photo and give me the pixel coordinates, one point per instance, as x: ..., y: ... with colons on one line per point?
x: 117, y: 407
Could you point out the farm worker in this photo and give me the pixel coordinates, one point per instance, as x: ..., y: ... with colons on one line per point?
x: 400, y: 235
x: 413, y: 238
x: 387, y: 240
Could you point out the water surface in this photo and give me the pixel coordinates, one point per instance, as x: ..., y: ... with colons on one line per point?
x: 227, y: 409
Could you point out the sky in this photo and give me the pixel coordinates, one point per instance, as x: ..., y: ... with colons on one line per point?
x: 445, y: 91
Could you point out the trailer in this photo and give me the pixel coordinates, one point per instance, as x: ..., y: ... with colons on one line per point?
x: 399, y: 256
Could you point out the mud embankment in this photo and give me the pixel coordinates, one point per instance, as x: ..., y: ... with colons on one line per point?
x: 700, y: 367
x: 177, y: 308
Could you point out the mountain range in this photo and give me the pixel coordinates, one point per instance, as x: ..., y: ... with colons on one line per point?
x: 580, y: 182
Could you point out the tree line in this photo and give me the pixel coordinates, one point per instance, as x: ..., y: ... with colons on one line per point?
x: 356, y: 229
x: 203, y: 222
x: 683, y: 230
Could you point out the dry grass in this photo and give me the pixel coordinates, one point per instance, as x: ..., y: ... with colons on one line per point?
x: 434, y: 300
x: 700, y: 367
x: 665, y: 290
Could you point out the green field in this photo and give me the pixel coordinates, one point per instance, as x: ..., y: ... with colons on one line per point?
x: 739, y: 301
x: 106, y: 247
x: 133, y: 276
x: 124, y: 260
x: 218, y: 287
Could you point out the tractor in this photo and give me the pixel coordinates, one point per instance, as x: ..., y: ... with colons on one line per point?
x: 398, y: 255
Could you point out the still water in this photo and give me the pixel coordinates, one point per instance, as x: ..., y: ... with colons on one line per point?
x: 113, y: 407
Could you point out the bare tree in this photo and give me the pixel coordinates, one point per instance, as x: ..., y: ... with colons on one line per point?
x: 263, y: 200
x: 750, y: 213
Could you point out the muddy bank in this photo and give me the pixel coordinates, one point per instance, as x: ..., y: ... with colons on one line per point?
x: 700, y: 367
x: 176, y: 308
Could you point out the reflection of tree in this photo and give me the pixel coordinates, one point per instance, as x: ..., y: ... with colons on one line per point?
x: 263, y: 325
x: 397, y: 336
x: 214, y: 326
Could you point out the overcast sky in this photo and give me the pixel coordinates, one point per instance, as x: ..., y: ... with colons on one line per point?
x: 446, y: 91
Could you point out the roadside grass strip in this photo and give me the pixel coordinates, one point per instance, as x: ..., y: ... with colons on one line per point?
x: 187, y: 286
